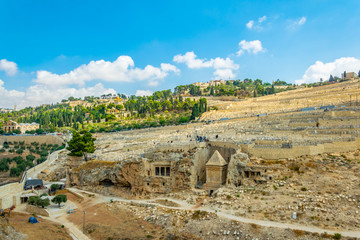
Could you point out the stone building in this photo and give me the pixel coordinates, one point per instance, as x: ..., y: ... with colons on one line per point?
x: 10, y: 126
x: 216, y: 171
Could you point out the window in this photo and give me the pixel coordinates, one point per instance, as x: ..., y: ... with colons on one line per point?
x: 157, y: 171
x: 162, y: 171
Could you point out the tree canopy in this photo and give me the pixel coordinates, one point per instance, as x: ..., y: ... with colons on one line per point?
x: 81, y: 145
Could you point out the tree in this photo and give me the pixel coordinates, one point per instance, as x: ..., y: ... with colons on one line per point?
x: 54, y: 187
x: 37, y: 201
x: 344, y: 75
x: 195, y: 112
x: 212, y: 91
x: 331, y: 79
x: 81, y: 145
x: 59, y: 199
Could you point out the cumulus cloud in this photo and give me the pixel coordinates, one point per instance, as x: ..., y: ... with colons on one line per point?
x: 191, y: 60
x: 39, y: 94
x: 250, y: 47
x: 256, y: 25
x: 224, y: 74
x: 218, y: 64
x: 335, y: 68
x: 121, y: 70
x: 143, y: 93
x: 9, y: 67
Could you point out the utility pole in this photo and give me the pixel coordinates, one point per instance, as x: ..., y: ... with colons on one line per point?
x: 84, y: 222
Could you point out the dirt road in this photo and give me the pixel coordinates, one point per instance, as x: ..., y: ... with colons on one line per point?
x: 221, y: 214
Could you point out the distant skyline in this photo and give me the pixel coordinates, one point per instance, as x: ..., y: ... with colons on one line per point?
x: 50, y: 50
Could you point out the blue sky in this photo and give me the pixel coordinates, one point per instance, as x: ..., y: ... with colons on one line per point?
x: 50, y: 50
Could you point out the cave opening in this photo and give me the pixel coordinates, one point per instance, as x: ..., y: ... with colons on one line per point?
x: 106, y: 183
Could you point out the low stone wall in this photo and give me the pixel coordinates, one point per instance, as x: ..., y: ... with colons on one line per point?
x: 37, y: 210
x: 296, y: 151
x: 48, y: 139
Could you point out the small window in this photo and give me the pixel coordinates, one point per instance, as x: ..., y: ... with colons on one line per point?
x: 163, y: 184
x: 168, y: 171
x: 148, y: 184
x: 157, y: 171
x: 162, y: 171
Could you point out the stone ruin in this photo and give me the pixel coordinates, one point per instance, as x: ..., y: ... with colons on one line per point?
x: 205, y: 165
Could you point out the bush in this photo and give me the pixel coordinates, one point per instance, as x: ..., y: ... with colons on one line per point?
x: 4, y: 166
x: 15, y: 172
x: 30, y: 157
x: 20, y: 151
x: 304, y: 189
x: 2, y: 150
x: 37, y: 201
x: 337, y: 236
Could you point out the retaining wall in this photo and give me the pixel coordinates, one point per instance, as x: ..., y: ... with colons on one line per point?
x: 48, y: 139
x: 296, y: 151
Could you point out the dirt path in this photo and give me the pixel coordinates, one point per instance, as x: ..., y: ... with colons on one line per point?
x: 222, y: 214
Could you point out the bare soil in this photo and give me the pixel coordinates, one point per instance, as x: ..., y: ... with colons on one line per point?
x: 44, y: 230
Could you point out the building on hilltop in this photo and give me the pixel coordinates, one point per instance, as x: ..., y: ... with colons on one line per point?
x: 10, y: 126
x: 349, y: 75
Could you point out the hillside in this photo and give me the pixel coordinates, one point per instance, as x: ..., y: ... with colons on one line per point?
x: 295, y: 100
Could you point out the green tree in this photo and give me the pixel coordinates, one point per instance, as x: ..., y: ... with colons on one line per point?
x: 212, y: 91
x: 59, y: 199
x: 54, y: 187
x: 81, y: 145
x: 195, y: 112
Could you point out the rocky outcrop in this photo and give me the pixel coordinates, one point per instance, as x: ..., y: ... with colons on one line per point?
x: 236, y: 165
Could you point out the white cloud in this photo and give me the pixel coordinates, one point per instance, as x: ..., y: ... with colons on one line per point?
x: 256, y: 25
x: 262, y: 19
x: 220, y: 65
x: 250, y: 46
x: 335, y: 68
x: 301, y: 21
x: 224, y: 74
x: 143, y: 93
x: 9, y: 67
x: 39, y: 94
x: 191, y: 60
x: 250, y: 24
x: 295, y: 24
x: 121, y: 70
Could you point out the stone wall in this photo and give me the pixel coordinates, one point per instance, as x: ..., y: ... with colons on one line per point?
x: 296, y: 151
x: 37, y: 210
x: 10, y: 195
x: 48, y: 139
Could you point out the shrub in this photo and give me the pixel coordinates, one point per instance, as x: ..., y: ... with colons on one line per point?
x: 304, y: 189
x: 4, y: 166
x: 337, y: 236
x: 30, y: 157
x: 37, y: 201
x: 15, y: 172
x: 2, y: 150
x: 20, y: 151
